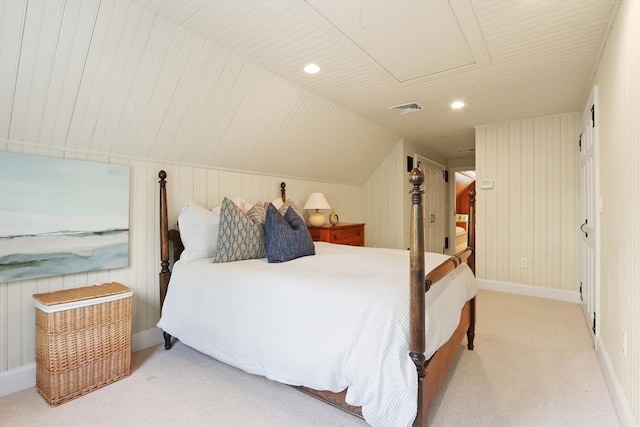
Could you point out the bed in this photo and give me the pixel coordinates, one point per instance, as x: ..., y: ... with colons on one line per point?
x: 462, y: 224
x: 350, y: 335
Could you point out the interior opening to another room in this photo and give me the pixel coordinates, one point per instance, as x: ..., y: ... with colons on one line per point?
x: 465, y: 181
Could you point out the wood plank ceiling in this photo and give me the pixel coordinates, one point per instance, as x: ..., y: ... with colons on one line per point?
x: 506, y: 59
x: 219, y: 83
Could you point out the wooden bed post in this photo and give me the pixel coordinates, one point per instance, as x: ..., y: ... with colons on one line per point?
x: 164, y: 238
x: 165, y: 273
x: 472, y: 230
x: 417, y: 290
x: 471, y: 262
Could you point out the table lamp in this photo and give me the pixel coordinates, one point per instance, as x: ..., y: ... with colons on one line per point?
x: 316, y: 201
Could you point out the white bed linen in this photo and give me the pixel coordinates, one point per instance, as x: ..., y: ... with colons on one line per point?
x: 329, y: 321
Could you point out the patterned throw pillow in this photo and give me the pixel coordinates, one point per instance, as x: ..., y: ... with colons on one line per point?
x: 287, y: 236
x: 258, y: 212
x: 239, y: 237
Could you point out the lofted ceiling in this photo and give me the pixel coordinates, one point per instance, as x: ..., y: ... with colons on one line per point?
x: 221, y: 83
x: 506, y: 59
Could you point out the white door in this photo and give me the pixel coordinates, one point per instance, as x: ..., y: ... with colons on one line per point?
x: 589, y: 214
x: 434, y: 207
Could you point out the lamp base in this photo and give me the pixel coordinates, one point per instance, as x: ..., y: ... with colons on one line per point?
x: 316, y: 219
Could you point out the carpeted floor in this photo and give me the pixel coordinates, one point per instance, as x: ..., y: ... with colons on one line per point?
x: 534, y: 365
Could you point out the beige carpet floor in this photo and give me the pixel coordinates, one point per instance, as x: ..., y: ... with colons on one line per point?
x: 534, y: 365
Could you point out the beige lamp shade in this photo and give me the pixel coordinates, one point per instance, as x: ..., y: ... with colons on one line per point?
x: 316, y: 201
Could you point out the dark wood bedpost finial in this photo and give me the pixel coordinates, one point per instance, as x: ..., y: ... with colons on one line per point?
x: 283, y: 191
x: 417, y: 288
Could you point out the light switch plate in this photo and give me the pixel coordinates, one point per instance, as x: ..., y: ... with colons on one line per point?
x: 486, y: 184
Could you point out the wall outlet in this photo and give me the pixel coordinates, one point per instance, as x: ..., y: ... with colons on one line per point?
x: 624, y: 342
x: 524, y: 263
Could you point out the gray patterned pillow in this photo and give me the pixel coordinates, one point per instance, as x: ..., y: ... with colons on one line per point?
x: 258, y: 212
x: 287, y: 236
x: 239, y: 237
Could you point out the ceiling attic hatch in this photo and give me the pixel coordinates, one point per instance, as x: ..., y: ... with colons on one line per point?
x: 411, y: 107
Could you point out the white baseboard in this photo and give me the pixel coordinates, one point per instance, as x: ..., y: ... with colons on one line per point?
x: 24, y: 377
x: 620, y: 401
x: 528, y: 290
x: 145, y: 339
x: 17, y: 379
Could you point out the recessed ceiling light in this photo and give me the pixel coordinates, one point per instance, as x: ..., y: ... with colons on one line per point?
x: 311, y: 69
x: 457, y: 105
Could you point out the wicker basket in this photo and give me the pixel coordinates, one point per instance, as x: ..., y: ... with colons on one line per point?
x: 83, y: 340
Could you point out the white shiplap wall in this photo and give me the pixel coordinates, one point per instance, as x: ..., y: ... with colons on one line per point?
x: 618, y: 81
x: 531, y: 211
x: 384, y: 202
x: 206, y: 186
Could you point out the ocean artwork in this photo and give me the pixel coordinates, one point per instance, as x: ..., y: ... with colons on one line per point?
x: 61, y: 216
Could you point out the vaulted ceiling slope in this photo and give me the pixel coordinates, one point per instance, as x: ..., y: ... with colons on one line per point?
x: 506, y: 59
x: 220, y: 83
x: 114, y: 77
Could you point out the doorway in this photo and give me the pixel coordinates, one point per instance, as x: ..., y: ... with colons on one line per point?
x: 464, y: 181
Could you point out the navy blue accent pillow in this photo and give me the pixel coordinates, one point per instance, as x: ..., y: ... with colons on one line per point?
x: 287, y: 237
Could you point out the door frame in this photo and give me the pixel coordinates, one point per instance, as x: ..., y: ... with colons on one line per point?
x: 451, y: 209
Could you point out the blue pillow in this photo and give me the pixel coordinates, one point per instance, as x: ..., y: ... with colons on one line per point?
x: 287, y: 237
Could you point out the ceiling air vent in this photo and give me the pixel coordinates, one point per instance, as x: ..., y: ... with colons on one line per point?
x: 465, y: 150
x: 411, y: 107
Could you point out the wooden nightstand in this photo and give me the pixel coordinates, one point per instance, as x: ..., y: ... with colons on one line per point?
x: 344, y: 233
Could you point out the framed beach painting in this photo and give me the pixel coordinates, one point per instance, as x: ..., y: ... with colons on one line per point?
x: 61, y: 216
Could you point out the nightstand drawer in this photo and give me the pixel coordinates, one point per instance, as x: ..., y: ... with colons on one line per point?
x: 346, y: 235
x: 343, y: 234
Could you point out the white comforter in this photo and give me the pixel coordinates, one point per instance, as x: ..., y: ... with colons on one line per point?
x: 334, y: 320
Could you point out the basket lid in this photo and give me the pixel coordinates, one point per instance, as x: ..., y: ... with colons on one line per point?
x: 81, y: 294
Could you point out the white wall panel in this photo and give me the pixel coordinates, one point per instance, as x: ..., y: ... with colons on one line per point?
x: 131, y: 49
x: 531, y: 211
x: 74, y: 40
x: 106, y: 41
x: 619, y: 99
x: 12, y: 17
x: 383, y: 202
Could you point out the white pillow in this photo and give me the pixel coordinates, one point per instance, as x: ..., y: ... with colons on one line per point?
x: 198, y: 231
